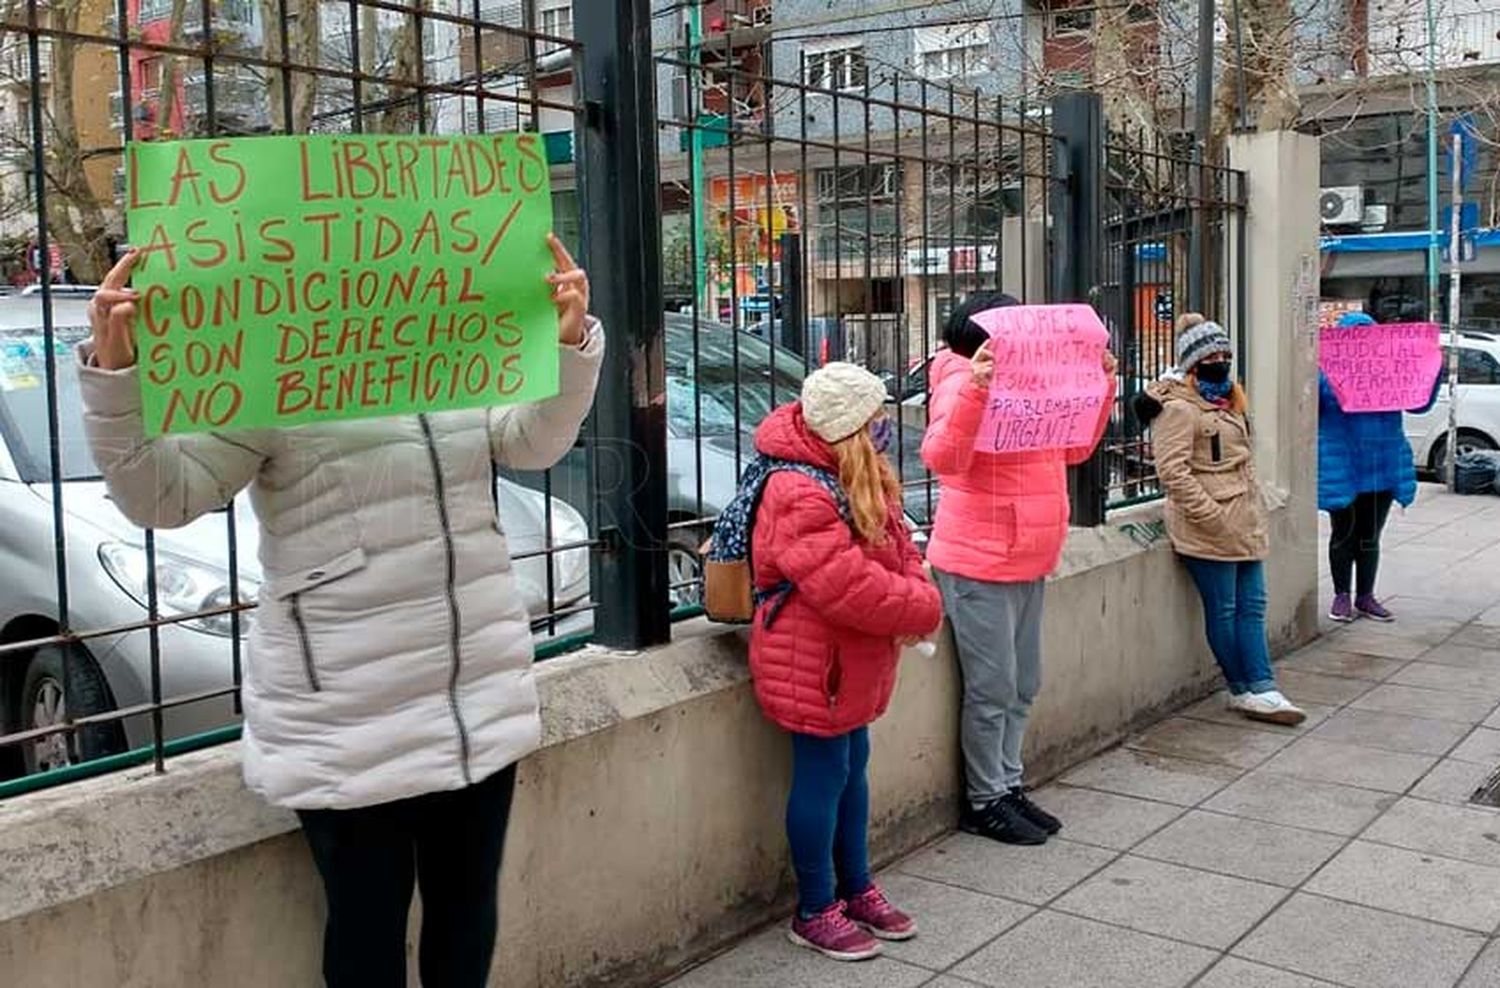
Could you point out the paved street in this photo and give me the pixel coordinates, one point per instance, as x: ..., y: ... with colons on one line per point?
x: 1213, y: 853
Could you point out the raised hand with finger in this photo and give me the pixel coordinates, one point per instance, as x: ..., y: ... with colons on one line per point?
x: 112, y: 316
x: 570, y: 293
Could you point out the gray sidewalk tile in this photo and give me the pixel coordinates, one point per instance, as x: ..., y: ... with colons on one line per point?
x: 952, y: 922
x: 1348, y: 764
x: 1214, y: 710
x: 1139, y: 773
x: 1202, y: 741
x: 1486, y: 970
x: 1391, y: 732
x: 1360, y: 947
x: 1310, y: 687
x: 768, y: 960
x: 1454, y: 679
x: 1105, y: 819
x: 1416, y: 702
x: 1324, y: 806
x: 1252, y: 849
x: 948, y: 981
x: 1470, y: 834
x: 1481, y: 637
x: 1172, y: 901
x: 1051, y: 950
x: 1232, y: 972
x: 1025, y: 874
x: 1481, y: 746
x: 1467, y: 654
x: 1415, y: 623
x: 1355, y: 638
x: 1328, y: 661
x: 1412, y: 883
x: 1452, y: 781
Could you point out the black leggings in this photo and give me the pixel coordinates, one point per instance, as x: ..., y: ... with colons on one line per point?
x: 370, y: 858
x: 1356, y: 541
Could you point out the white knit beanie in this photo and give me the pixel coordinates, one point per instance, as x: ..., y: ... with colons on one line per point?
x: 839, y: 399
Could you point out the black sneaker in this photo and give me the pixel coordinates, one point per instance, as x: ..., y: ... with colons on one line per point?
x: 1001, y: 821
x: 1033, y: 813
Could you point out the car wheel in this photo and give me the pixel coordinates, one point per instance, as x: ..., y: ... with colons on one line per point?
x: 684, y: 574
x: 44, y: 701
x: 1469, y: 441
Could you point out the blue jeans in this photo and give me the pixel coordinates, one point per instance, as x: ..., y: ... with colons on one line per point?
x: 827, y: 815
x: 1234, y: 611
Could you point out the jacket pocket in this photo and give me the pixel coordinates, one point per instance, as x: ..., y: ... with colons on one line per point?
x: 298, y: 592
x: 1224, y: 487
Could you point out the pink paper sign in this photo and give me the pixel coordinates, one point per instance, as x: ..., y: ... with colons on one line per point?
x: 1049, y: 386
x: 1388, y: 367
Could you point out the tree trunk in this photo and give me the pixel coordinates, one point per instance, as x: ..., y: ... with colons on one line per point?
x: 74, y: 215
x: 401, y: 114
x: 1266, y: 37
x: 167, y: 100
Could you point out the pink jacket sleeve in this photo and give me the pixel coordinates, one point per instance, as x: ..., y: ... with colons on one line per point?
x: 954, y: 413
x: 814, y: 548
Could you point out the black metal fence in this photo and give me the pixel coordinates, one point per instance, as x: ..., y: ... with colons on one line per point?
x: 746, y: 212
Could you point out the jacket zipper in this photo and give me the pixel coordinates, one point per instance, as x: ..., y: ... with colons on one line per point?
x: 451, y: 579
x: 306, y: 642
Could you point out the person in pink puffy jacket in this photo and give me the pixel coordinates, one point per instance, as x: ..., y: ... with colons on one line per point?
x: 1002, y: 519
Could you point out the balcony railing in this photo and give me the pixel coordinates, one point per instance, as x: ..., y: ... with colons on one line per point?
x: 1398, y: 39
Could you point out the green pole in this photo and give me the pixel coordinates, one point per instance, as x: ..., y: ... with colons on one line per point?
x: 695, y: 166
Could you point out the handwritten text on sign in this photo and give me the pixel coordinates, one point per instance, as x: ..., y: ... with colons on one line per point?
x: 286, y: 280
x: 1381, y: 368
x: 1049, y: 387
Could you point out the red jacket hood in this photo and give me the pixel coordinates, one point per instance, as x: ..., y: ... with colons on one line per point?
x: 784, y: 434
x: 945, y: 363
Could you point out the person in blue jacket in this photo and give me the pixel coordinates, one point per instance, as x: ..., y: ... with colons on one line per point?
x: 1364, y: 466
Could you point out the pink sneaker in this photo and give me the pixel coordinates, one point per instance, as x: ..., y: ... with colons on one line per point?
x: 832, y: 934
x: 872, y: 910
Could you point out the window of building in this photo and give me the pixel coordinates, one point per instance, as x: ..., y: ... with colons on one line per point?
x: 556, y: 21
x: 836, y: 68
x: 952, y: 51
x: 1141, y: 12
x: 1074, y: 21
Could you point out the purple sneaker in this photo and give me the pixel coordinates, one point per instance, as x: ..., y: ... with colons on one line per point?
x: 872, y: 910
x: 1342, y: 610
x: 1373, y: 609
x: 833, y: 934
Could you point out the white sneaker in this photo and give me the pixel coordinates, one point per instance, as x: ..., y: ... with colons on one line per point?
x: 1271, y: 707
x: 1235, y: 702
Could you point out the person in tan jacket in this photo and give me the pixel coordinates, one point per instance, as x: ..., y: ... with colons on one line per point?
x: 1216, y: 518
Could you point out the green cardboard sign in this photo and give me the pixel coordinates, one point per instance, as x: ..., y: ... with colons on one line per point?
x: 286, y: 280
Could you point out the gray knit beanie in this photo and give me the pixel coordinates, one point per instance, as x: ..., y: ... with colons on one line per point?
x: 1197, y: 342
x: 839, y: 399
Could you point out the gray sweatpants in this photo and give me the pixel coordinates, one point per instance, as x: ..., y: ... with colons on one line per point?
x: 997, y: 628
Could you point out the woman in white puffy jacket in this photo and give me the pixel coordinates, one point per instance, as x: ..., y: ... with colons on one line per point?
x: 388, y: 688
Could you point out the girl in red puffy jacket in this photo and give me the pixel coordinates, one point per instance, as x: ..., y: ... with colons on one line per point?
x: 841, y: 597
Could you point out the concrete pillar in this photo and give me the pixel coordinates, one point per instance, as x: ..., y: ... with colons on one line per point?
x: 1281, y: 324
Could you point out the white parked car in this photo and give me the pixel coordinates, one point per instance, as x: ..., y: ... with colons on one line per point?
x: 106, y: 565
x: 1478, y: 405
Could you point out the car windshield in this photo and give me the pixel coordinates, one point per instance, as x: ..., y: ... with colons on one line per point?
x: 705, y: 392
x: 23, y: 404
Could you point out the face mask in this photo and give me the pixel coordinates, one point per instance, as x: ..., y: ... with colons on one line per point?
x: 1215, y: 390
x: 1215, y: 373
x: 882, y: 431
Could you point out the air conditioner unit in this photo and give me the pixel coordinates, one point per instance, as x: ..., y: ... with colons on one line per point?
x: 1342, y: 205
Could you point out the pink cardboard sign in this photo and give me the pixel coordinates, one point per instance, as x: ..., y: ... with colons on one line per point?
x: 1049, y: 386
x: 1387, y: 367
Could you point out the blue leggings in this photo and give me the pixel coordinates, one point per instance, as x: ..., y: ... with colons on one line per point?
x: 827, y: 815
